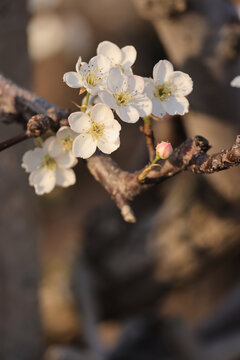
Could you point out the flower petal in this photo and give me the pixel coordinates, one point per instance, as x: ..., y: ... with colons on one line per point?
x: 79, y: 122
x: 157, y: 108
x: 129, y: 55
x: 55, y: 148
x: 102, y: 114
x: 101, y: 62
x: 107, y: 98
x: 162, y: 70
x: 84, y: 146
x: 43, y: 180
x: 73, y: 79
x: 135, y: 83
x: 112, y: 132
x: 175, y: 105
x: 64, y: 132
x: 32, y: 159
x: 143, y: 105
x: 116, y: 80
x: 108, y: 147
x: 182, y: 82
x: 47, y: 143
x: 66, y: 160
x: 111, y: 51
x: 128, y: 113
x: 236, y: 82
x: 78, y: 64
x: 65, y: 177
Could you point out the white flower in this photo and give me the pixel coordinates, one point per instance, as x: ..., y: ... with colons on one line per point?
x: 97, y: 128
x: 91, y: 76
x: 46, y: 170
x: 236, y: 82
x: 168, y: 89
x: 124, y: 57
x: 63, y: 141
x: 124, y: 94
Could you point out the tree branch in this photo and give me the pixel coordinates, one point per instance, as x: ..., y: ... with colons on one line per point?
x: 40, y: 115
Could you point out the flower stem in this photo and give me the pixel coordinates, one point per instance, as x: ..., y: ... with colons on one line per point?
x: 147, y: 120
x: 145, y: 172
x: 86, y: 102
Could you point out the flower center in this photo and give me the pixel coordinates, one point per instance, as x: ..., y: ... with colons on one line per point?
x: 91, y: 78
x: 164, y: 91
x: 96, y: 130
x: 67, y: 142
x: 48, y: 162
x: 122, y: 98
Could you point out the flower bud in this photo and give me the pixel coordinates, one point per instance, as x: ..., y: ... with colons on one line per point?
x: 164, y: 150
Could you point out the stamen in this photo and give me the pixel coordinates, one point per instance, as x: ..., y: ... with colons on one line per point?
x: 96, y: 130
x: 67, y: 142
x: 164, y: 91
x: 48, y: 162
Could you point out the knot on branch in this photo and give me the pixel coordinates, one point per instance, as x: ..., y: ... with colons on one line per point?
x: 38, y: 125
x: 202, y: 143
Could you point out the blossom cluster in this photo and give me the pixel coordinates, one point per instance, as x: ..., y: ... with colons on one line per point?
x: 111, y: 88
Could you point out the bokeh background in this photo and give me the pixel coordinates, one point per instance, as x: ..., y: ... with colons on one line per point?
x: 76, y: 282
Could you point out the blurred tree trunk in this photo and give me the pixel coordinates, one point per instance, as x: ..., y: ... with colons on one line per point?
x: 20, y: 331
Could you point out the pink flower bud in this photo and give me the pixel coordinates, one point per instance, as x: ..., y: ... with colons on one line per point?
x: 164, y: 150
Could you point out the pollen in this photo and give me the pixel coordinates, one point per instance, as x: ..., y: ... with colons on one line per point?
x: 48, y: 162
x: 96, y: 130
x: 164, y: 91
x: 67, y: 142
x: 91, y: 78
x: 122, y: 98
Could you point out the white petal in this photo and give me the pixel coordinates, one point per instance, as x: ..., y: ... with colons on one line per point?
x: 112, y: 133
x: 108, y: 99
x: 73, y: 79
x: 136, y: 83
x: 116, y: 80
x: 55, y: 148
x: 83, y: 69
x: 43, y: 180
x: 79, y: 122
x: 111, y: 51
x: 236, y: 82
x: 78, y: 64
x: 143, y: 105
x: 149, y: 87
x: 102, y: 114
x: 162, y: 70
x: 129, y: 55
x: 66, y: 160
x: 65, y: 177
x: 101, y: 62
x: 32, y: 159
x: 108, y: 147
x: 84, y: 146
x: 175, y: 106
x: 64, y: 132
x: 182, y: 82
x: 128, y: 113
x: 157, y: 108
x: 47, y: 143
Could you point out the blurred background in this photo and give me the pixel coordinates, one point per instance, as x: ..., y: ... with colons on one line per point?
x: 76, y: 281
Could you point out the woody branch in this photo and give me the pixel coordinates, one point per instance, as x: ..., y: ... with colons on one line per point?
x: 38, y: 115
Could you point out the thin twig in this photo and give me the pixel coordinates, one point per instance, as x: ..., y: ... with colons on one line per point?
x: 149, y: 137
x: 13, y: 141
